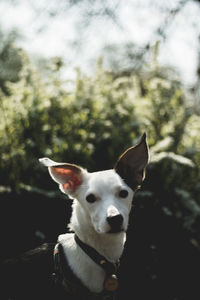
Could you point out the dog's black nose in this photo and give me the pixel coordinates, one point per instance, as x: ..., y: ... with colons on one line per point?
x: 115, y: 222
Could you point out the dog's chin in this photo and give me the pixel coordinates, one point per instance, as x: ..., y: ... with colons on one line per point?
x: 111, y: 231
x: 115, y: 231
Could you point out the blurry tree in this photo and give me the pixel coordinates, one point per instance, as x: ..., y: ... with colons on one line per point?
x: 10, y: 59
x: 93, y: 122
x: 91, y: 13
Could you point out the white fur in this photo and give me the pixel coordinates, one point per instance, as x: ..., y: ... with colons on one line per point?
x: 89, y: 222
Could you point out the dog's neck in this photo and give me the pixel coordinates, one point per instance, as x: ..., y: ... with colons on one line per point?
x: 109, y: 245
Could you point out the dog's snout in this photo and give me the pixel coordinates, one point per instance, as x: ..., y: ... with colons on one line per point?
x: 115, y: 222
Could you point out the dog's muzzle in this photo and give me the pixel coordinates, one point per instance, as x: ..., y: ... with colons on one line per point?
x: 115, y: 223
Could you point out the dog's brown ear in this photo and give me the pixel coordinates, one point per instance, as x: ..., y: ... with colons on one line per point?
x: 68, y: 176
x: 131, y: 164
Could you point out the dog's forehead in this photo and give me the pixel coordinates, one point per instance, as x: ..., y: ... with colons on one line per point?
x: 105, y: 178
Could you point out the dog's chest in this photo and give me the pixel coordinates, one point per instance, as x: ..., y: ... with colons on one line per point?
x: 90, y: 274
x: 66, y: 280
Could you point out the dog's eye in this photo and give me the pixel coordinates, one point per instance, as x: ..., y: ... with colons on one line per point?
x: 123, y: 193
x: 91, y: 198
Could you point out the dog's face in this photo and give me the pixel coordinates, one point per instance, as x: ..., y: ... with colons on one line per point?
x: 107, y: 200
x: 105, y: 196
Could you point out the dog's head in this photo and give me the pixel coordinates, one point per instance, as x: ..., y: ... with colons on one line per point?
x: 104, y: 196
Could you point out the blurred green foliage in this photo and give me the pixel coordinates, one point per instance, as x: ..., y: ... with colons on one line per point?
x: 94, y: 121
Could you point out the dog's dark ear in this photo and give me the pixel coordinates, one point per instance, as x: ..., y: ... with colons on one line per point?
x: 68, y: 176
x: 131, y: 164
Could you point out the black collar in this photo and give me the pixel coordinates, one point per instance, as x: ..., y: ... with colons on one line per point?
x: 111, y: 280
x: 107, y: 266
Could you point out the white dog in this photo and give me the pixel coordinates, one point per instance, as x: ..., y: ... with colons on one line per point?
x: 100, y: 216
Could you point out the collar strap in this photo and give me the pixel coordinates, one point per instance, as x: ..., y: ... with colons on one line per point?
x: 107, y: 266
